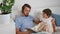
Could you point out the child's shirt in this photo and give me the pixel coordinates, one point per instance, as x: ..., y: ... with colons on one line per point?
x: 48, y: 20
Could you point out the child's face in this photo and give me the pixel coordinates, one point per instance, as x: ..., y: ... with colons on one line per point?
x: 44, y: 15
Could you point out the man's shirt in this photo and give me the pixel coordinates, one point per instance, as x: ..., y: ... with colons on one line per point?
x: 24, y: 22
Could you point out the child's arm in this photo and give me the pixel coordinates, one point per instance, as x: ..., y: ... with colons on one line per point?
x: 54, y: 25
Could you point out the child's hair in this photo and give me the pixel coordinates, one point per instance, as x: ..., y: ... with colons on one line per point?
x: 48, y: 12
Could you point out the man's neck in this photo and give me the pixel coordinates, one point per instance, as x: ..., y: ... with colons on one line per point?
x: 24, y: 15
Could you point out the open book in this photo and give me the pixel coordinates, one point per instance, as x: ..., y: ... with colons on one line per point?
x: 32, y: 29
x: 35, y: 28
x: 37, y: 32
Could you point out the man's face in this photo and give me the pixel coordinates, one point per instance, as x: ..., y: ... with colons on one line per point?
x: 26, y: 11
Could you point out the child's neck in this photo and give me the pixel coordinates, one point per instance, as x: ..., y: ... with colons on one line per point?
x: 46, y: 17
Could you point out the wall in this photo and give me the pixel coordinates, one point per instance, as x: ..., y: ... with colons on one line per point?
x: 38, y: 5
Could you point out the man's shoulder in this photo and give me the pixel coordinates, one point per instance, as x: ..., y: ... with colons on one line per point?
x: 31, y: 16
x: 19, y: 17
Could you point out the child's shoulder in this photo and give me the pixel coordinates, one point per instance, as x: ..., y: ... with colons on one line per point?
x: 51, y: 17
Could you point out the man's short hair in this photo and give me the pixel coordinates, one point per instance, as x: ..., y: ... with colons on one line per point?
x: 25, y: 5
x: 48, y: 12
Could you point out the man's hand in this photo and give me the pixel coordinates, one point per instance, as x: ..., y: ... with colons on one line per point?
x: 19, y: 32
x: 28, y: 32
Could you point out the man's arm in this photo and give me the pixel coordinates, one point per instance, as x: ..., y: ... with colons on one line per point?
x: 54, y: 25
x: 19, y: 32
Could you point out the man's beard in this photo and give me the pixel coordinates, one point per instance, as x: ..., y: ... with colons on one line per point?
x: 26, y: 15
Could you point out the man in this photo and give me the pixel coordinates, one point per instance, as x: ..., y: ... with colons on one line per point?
x: 24, y: 21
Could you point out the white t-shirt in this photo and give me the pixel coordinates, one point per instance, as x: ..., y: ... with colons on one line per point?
x: 48, y: 20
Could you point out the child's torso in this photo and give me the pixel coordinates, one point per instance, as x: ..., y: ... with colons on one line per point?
x: 48, y: 20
